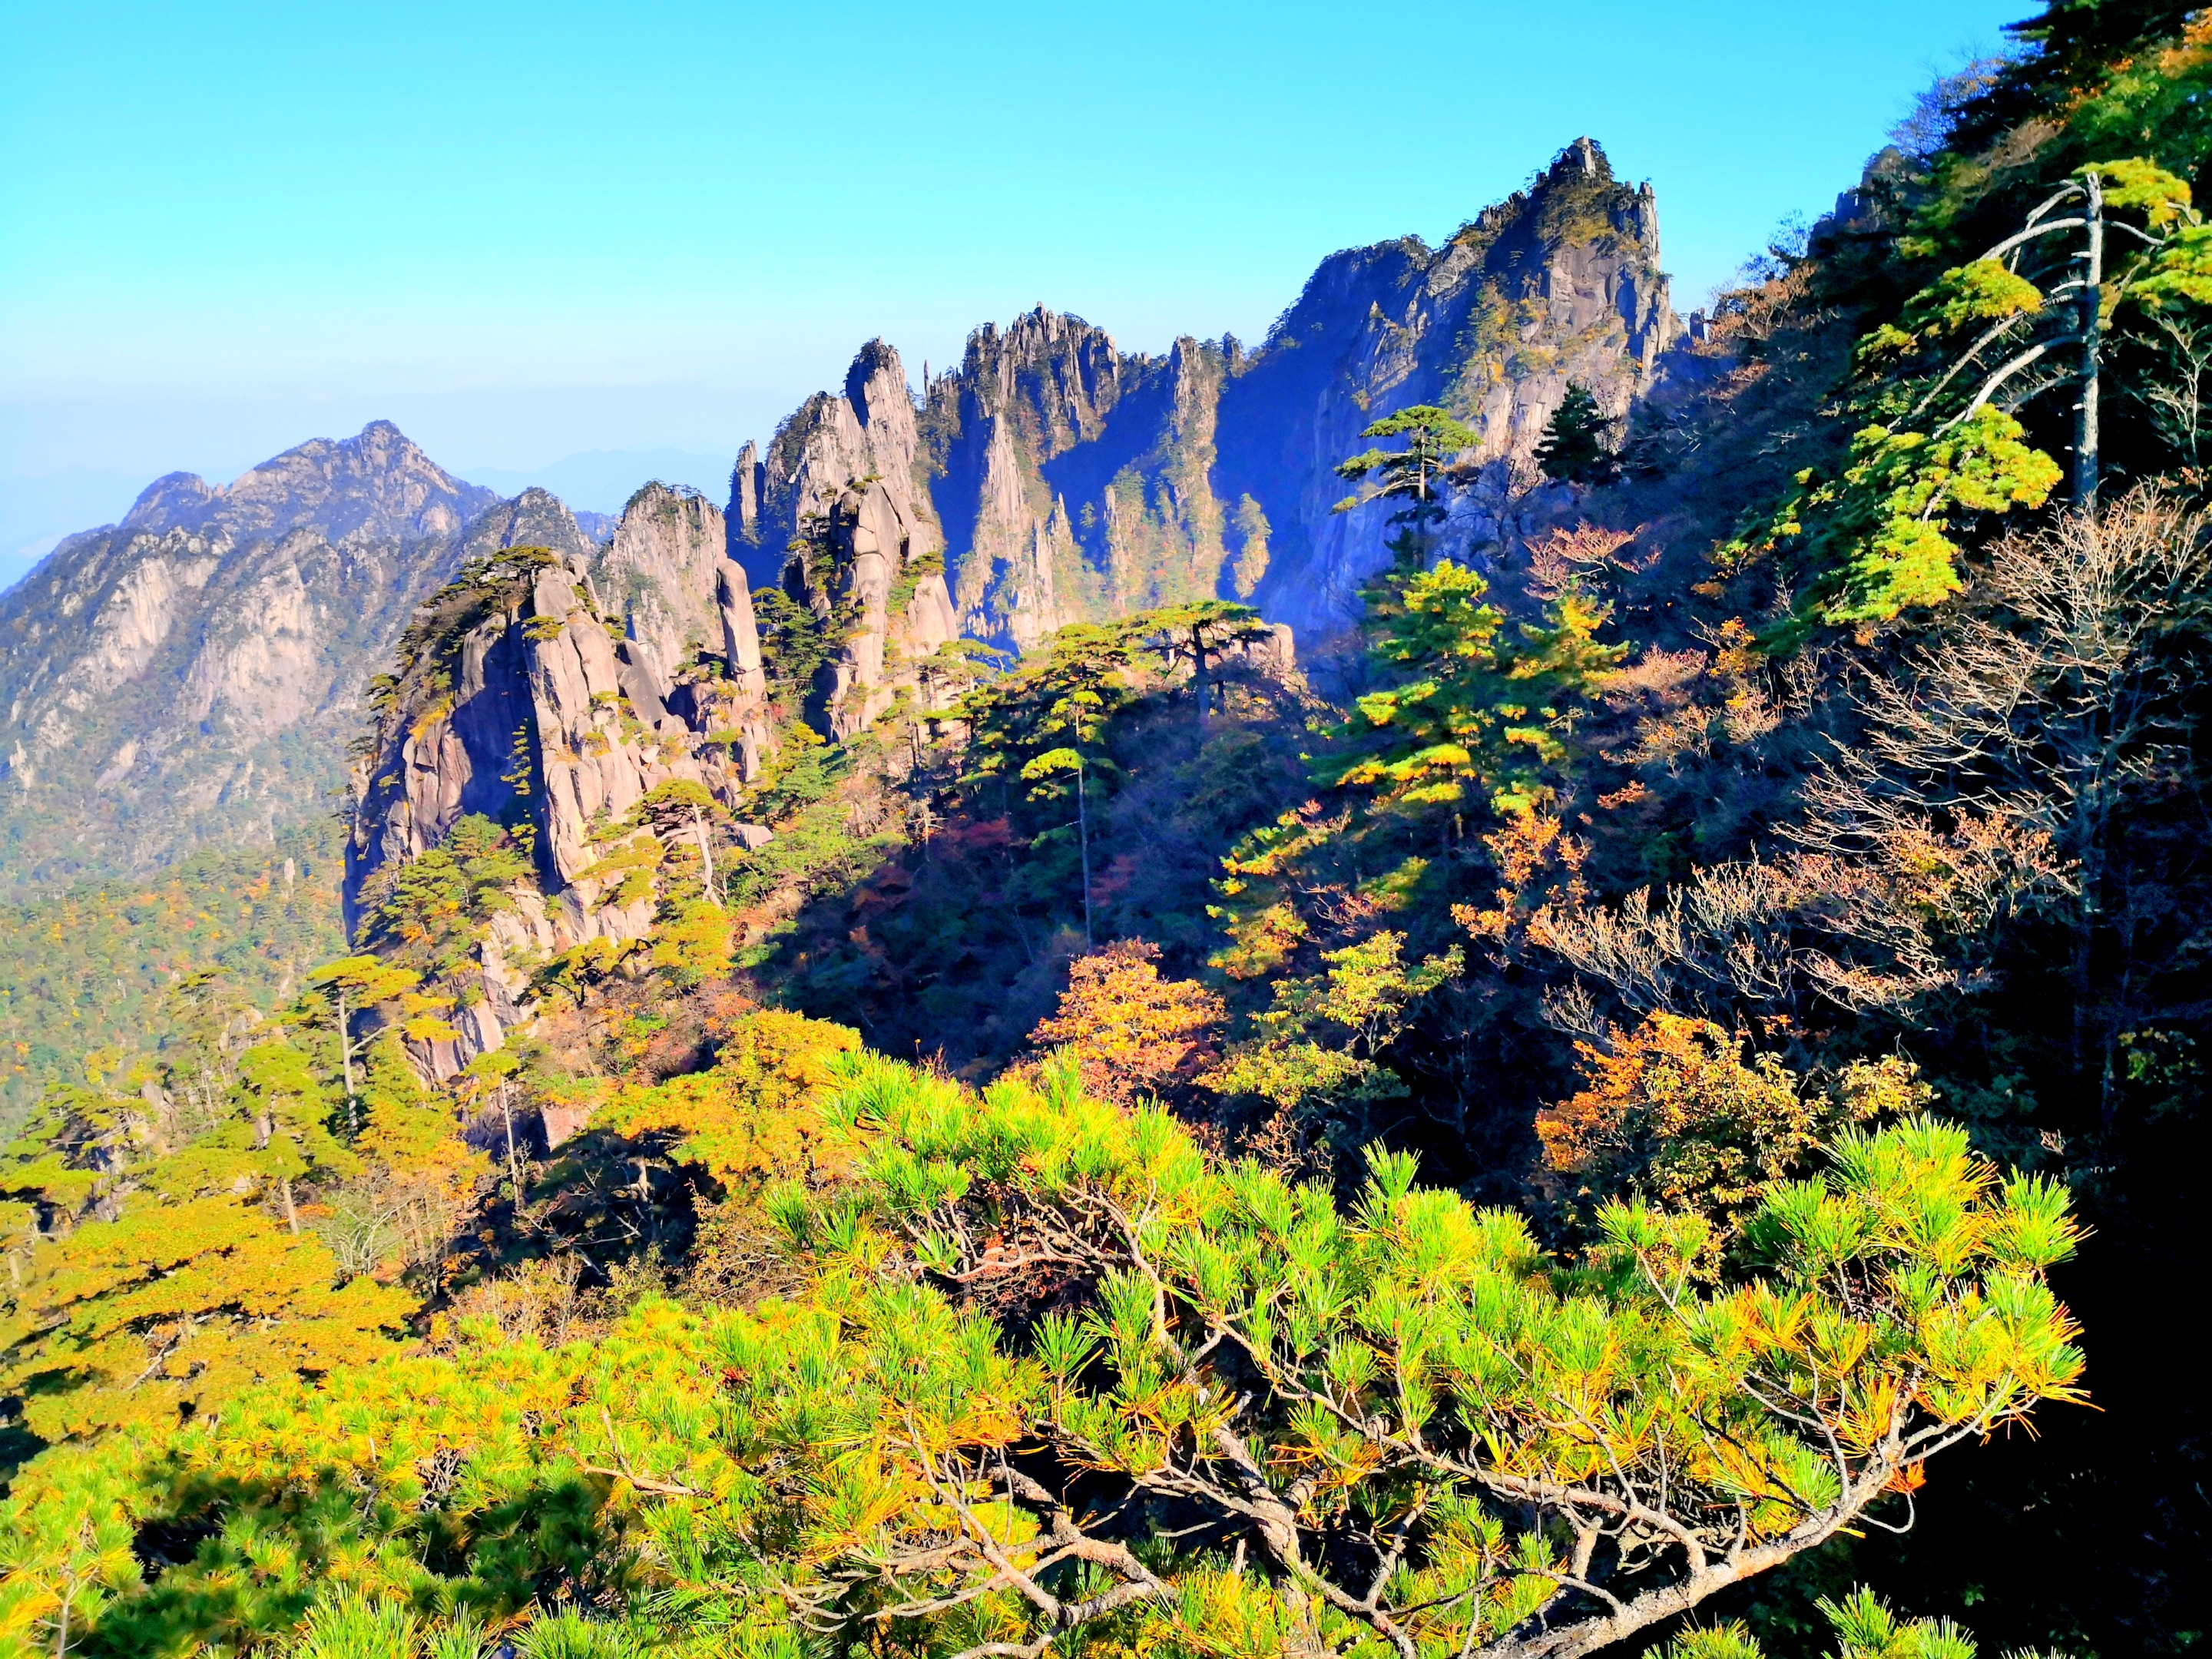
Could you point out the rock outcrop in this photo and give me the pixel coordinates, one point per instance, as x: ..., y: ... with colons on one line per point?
x: 660, y: 572
x: 1019, y: 401
x: 1558, y: 285
x: 747, y: 481
x: 846, y: 492
x: 832, y: 443
x: 1066, y: 480
x: 526, y: 696
x: 890, y: 581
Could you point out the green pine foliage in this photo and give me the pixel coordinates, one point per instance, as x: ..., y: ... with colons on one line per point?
x: 867, y: 1455
x: 1629, y: 1111
x: 1573, y: 447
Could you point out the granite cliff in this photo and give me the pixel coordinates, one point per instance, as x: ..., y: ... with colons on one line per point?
x: 193, y: 673
x: 839, y: 511
x: 526, y: 697
x: 1066, y: 480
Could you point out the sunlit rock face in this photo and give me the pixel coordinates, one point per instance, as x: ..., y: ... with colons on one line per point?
x: 196, y: 672
x: 1066, y: 480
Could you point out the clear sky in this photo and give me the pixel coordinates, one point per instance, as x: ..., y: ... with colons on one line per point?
x: 527, y: 231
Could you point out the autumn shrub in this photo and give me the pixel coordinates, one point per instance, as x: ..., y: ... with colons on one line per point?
x: 1132, y: 1032
x: 1674, y: 1114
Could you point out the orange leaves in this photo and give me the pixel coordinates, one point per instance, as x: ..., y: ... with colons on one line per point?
x: 1131, y: 1031
x: 1672, y: 1113
x: 1530, y: 852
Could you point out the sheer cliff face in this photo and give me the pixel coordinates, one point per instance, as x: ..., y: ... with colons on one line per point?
x: 831, y: 445
x: 1069, y: 481
x: 194, y: 671
x: 845, y: 523
x: 660, y: 572
x: 1555, y: 286
x: 521, y: 696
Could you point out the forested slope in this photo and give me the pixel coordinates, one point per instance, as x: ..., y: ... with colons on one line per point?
x: 89, y: 977
x: 1652, y: 1100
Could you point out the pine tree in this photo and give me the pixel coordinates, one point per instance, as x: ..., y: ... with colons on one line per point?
x: 1199, y: 634
x: 161, y: 1277
x: 1574, y: 446
x: 1475, y: 718
x: 1323, y: 1385
x: 1412, y: 477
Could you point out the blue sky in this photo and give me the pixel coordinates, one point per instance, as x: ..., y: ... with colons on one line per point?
x: 528, y: 231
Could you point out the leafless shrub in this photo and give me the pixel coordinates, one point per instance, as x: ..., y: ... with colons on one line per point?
x: 2179, y: 400
x: 1564, y: 559
x: 2039, y: 706
x: 1983, y: 778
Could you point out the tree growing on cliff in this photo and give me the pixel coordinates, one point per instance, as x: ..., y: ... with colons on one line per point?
x: 1939, y: 443
x: 1411, y: 477
x: 353, y: 984
x: 1476, y: 718
x: 1199, y: 634
x: 1043, y: 724
x: 684, y: 810
x: 1574, y: 446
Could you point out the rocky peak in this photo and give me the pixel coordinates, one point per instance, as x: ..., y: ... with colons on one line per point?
x: 1064, y: 480
x: 1558, y: 285
x: 375, y: 485
x: 660, y: 571
x: 1584, y: 159
x: 1055, y: 375
x: 748, y: 480
x: 517, y: 699
x: 194, y: 673
x: 536, y: 518
x: 175, y: 498
x: 833, y: 442
x: 876, y: 387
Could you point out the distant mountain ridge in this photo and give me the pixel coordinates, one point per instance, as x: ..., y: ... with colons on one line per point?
x: 195, y: 672
x: 376, y: 485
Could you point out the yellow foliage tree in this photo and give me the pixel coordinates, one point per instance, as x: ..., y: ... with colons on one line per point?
x: 749, y: 1117
x: 1672, y: 1114
x: 171, y: 1281
x: 172, y: 1307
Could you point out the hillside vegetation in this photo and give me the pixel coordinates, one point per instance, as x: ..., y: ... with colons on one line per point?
x: 1650, y: 1100
x: 89, y: 977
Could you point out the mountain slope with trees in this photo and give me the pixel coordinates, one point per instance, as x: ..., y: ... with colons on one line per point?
x: 1631, y: 1109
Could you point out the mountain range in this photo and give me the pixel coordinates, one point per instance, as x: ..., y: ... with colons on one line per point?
x: 194, y: 673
